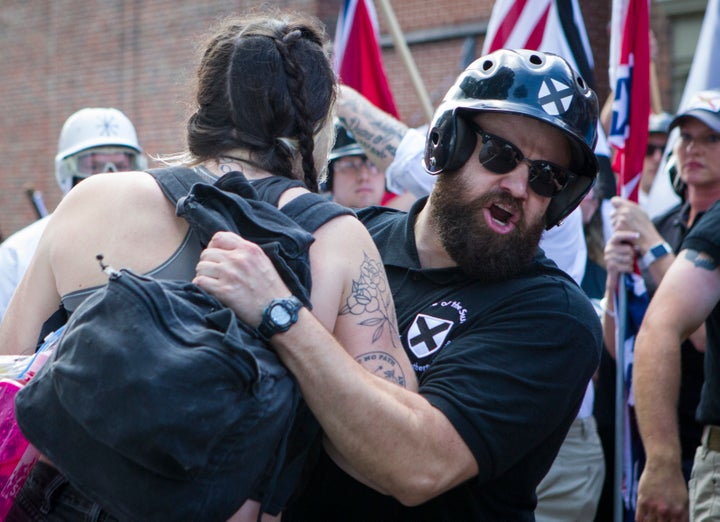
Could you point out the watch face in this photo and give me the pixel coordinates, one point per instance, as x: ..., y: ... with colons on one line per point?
x: 279, y: 315
x: 658, y: 250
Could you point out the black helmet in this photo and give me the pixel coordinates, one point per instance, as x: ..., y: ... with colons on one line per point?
x: 345, y: 145
x: 529, y: 83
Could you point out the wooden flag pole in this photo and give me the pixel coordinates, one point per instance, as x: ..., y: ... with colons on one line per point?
x: 407, y: 59
x: 655, y: 98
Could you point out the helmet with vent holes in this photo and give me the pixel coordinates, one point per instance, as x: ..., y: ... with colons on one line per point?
x: 538, y: 85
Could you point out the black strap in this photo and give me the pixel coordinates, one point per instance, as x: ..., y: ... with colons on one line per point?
x: 310, y: 211
x: 270, y: 189
x: 52, y: 323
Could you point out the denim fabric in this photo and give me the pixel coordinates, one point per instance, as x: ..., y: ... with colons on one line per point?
x: 47, y: 496
x: 228, y: 205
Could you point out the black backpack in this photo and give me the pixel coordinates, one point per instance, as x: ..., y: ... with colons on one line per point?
x: 159, y: 404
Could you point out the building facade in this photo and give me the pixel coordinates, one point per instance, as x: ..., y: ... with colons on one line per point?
x: 60, y: 56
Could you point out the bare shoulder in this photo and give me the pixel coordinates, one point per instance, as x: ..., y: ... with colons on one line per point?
x: 113, y: 190
x: 123, y: 216
x: 343, y: 245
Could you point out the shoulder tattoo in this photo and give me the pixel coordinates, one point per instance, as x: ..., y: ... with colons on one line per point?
x: 700, y: 260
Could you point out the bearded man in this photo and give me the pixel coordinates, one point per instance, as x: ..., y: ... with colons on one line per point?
x: 502, y: 341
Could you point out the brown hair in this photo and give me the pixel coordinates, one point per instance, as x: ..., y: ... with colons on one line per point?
x: 266, y: 85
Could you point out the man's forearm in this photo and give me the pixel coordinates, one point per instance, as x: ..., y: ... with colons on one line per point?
x: 378, y: 132
x: 391, y: 437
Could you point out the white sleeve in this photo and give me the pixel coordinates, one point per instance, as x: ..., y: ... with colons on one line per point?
x: 16, y: 252
x: 565, y: 244
x: 406, y: 173
x: 8, y: 273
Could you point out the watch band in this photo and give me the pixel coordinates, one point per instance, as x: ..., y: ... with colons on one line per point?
x: 269, y: 327
x: 654, y: 253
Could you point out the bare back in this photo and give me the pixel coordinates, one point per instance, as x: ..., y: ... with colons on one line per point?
x: 125, y: 217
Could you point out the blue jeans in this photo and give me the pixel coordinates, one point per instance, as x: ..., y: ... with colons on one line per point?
x: 48, y: 496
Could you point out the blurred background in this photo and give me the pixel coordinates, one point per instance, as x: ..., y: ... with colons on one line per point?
x: 139, y: 56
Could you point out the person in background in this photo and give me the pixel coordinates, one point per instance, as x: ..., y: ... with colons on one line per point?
x: 667, y: 401
x: 503, y: 342
x: 672, y: 315
x: 92, y: 140
x: 352, y: 179
x: 658, y: 131
x: 594, y: 279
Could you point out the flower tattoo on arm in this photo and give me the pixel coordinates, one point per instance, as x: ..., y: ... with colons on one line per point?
x: 371, y: 300
x: 370, y: 296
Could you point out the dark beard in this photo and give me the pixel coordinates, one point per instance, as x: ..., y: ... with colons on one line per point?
x: 479, y: 251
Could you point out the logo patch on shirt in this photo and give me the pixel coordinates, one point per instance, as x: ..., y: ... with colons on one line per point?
x: 427, y: 334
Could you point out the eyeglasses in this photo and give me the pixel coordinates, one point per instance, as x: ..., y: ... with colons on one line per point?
x: 354, y: 165
x: 500, y: 156
x: 652, y: 149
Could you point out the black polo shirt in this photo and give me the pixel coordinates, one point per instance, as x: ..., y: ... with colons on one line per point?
x: 507, y: 363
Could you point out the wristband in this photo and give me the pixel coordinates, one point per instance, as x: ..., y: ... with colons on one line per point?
x: 653, y: 254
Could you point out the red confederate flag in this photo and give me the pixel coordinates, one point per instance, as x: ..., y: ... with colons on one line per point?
x: 358, y: 61
x: 631, y: 105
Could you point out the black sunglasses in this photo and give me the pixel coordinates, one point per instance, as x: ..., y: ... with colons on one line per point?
x: 652, y: 149
x: 500, y: 156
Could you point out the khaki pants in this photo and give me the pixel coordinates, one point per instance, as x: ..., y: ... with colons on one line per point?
x: 571, y: 490
x: 704, y: 483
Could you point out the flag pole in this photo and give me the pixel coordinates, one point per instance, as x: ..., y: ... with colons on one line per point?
x: 655, y: 98
x: 621, y: 319
x: 407, y: 59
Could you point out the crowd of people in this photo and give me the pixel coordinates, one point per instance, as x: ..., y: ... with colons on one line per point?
x: 457, y: 356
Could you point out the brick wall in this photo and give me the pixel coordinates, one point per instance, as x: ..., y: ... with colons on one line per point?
x: 58, y: 57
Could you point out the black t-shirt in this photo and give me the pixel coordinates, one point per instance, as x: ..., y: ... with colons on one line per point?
x: 705, y: 237
x: 507, y: 363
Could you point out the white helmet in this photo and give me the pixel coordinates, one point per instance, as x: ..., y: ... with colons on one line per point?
x: 92, y: 128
